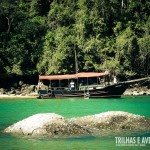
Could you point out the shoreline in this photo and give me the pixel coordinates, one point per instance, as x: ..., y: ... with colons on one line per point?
x: 5, y: 96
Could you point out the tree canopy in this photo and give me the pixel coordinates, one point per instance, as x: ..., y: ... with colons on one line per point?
x: 43, y: 36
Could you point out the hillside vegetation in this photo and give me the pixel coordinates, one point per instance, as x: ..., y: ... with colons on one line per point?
x: 43, y: 36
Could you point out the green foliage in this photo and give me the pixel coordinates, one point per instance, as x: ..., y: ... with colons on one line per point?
x: 22, y: 40
x: 43, y: 36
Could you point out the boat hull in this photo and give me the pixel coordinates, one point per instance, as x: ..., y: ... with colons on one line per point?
x: 111, y: 91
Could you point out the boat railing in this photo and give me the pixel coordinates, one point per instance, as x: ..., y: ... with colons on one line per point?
x: 59, y: 88
x: 81, y: 87
x: 90, y: 87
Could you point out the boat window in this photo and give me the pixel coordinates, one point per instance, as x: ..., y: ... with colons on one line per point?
x: 92, y: 81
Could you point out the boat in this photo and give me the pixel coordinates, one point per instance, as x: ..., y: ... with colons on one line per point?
x: 83, y: 84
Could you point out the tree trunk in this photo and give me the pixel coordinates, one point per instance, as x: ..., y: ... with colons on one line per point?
x: 10, y: 20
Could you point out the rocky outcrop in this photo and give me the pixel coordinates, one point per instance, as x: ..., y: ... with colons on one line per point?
x: 55, y: 125
x: 114, y: 120
x: 45, y: 124
x: 23, y: 90
x: 135, y: 91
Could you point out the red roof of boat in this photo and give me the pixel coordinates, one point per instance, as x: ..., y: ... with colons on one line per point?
x: 73, y: 76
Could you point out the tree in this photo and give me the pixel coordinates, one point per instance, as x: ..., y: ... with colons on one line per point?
x: 45, y: 36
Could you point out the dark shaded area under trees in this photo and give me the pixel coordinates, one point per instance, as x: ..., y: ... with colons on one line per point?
x: 41, y: 36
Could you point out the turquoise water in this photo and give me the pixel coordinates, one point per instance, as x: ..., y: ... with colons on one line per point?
x: 13, y: 110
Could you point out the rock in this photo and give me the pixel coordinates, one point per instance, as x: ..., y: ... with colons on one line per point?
x: 27, y: 89
x: 21, y: 83
x: 114, y: 120
x: 12, y: 90
x: 137, y: 91
x: 55, y: 125
x: 35, y: 124
x: 127, y: 93
x: 45, y: 124
x: 18, y: 92
x: 2, y: 91
x: 31, y: 88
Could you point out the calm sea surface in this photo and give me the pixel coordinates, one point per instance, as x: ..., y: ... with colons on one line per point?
x: 14, y: 110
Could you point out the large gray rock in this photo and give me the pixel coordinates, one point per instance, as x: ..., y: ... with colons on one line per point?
x: 114, y: 120
x: 35, y: 124
x: 45, y: 124
x: 52, y: 124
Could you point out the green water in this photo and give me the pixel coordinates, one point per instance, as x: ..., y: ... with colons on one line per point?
x: 13, y: 110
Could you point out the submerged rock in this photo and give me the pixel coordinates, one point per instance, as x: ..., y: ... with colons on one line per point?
x: 52, y: 124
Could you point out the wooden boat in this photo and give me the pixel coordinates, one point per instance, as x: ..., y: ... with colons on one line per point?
x: 86, y: 84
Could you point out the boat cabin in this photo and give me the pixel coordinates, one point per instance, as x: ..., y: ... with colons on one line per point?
x: 77, y: 81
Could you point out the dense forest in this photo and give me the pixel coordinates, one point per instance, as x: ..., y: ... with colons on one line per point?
x: 44, y: 36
